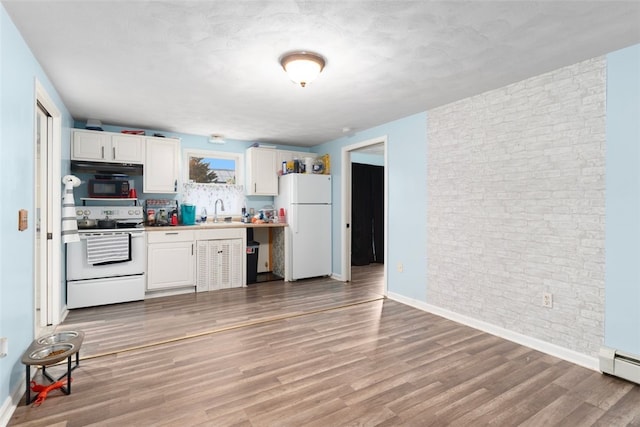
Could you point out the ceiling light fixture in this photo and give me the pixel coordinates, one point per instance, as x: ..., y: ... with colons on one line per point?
x: 216, y: 139
x: 302, y: 67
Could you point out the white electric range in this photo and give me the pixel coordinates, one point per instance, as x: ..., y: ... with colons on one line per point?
x: 108, y: 265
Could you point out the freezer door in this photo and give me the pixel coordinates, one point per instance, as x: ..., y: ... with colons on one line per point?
x: 311, y: 241
x: 310, y: 188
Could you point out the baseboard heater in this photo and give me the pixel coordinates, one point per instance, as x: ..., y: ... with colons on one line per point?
x: 620, y: 364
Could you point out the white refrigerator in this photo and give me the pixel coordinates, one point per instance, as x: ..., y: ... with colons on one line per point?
x: 306, y: 199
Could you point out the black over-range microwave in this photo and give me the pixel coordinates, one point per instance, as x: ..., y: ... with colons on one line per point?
x: 116, y: 188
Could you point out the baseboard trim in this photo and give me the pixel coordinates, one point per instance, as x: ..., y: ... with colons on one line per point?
x: 338, y: 277
x: 10, y: 404
x: 572, y: 356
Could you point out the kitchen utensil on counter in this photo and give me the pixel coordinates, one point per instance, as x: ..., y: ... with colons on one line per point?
x: 162, y: 217
x: 151, y: 216
x: 188, y: 214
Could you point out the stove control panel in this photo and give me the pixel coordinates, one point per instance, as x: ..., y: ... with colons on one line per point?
x: 101, y: 212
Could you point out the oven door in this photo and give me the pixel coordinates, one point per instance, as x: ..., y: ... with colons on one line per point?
x: 79, y: 269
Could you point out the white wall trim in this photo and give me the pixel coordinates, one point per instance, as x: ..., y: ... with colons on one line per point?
x: 534, y: 343
x: 345, y: 214
x: 56, y: 196
x: 10, y: 404
x: 338, y: 277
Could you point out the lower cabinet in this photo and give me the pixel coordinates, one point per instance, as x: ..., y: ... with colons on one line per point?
x: 170, y: 260
x: 220, y: 264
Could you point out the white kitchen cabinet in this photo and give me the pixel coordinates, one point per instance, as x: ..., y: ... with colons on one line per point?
x: 171, y: 260
x: 161, y: 165
x: 220, y: 264
x: 109, y: 147
x: 262, y: 175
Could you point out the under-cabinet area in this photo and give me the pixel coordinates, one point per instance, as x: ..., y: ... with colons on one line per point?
x: 204, y: 258
x: 220, y: 262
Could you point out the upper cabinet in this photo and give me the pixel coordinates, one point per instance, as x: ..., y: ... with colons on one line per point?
x: 109, y: 147
x: 262, y: 175
x: 161, y: 165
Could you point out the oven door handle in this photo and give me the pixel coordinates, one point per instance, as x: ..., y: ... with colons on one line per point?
x: 134, y: 234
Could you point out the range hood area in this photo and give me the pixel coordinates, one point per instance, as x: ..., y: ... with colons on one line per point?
x: 102, y: 168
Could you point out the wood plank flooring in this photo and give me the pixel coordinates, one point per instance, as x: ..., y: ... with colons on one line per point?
x: 163, y: 319
x: 369, y: 363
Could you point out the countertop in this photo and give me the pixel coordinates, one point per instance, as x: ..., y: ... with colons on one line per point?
x: 213, y: 225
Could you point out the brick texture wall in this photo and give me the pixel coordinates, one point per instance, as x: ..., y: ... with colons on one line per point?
x: 515, y: 195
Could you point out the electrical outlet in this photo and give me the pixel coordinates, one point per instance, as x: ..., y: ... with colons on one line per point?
x: 400, y: 267
x: 4, y: 344
x: 547, y: 299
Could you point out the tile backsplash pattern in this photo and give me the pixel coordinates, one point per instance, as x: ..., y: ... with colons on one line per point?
x: 205, y: 196
x: 515, y: 196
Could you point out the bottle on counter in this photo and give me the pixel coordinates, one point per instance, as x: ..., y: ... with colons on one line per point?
x: 151, y: 216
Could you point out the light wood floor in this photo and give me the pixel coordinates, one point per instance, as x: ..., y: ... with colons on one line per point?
x: 371, y: 362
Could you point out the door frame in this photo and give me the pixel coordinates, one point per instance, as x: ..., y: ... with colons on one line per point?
x: 54, y: 210
x: 346, y: 206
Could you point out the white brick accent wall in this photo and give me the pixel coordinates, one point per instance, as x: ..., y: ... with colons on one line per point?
x: 515, y: 199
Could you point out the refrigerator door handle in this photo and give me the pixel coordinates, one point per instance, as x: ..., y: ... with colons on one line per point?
x: 293, y: 217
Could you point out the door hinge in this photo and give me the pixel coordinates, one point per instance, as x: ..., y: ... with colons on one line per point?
x: 49, y: 236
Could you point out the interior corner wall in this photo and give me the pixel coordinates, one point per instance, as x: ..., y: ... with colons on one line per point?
x: 515, y: 189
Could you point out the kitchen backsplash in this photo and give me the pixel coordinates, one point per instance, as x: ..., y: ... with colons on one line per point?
x: 205, y: 196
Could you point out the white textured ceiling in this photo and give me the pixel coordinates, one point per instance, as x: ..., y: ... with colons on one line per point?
x: 211, y: 67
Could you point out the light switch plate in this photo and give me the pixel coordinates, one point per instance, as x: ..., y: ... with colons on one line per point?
x: 23, y: 220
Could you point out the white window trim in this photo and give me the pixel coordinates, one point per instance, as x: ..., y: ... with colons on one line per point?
x: 238, y: 157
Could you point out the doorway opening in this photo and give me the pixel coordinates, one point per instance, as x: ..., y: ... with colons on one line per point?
x: 47, y: 249
x: 370, y: 227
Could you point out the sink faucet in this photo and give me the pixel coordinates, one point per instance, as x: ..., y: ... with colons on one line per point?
x: 215, y: 209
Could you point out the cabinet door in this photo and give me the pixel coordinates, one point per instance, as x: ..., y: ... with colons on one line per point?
x: 170, y: 265
x: 203, y: 266
x: 162, y: 156
x: 262, y: 174
x: 237, y: 254
x: 229, y: 263
x: 127, y: 149
x: 90, y: 145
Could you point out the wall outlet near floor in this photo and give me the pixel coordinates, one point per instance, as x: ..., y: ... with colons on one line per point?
x: 400, y: 267
x: 4, y: 344
x: 547, y: 299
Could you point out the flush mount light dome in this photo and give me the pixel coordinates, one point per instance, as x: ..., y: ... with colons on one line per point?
x: 302, y: 67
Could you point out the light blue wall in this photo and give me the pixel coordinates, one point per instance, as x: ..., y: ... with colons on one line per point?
x: 407, y: 172
x: 367, y: 159
x: 622, y: 278
x: 18, y: 71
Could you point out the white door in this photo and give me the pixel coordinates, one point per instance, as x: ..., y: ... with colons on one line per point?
x: 43, y: 309
x: 311, y: 240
